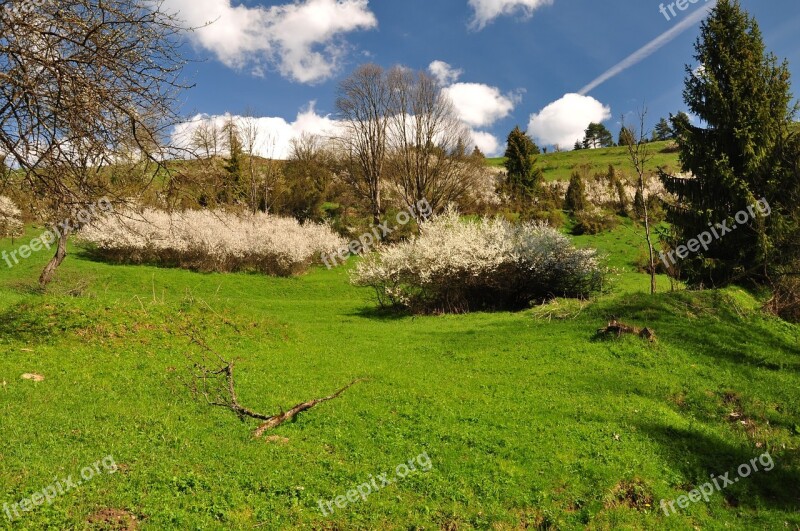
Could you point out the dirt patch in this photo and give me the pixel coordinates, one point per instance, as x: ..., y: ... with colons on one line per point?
x: 634, y: 494
x: 115, y: 519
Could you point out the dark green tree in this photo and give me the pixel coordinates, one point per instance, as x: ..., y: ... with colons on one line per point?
x: 597, y: 135
x: 578, y: 145
x: 575, y: 199
x: 744, y: 153
x: 625, y: 136
x: 663, y: 131
x: 232, y: 189
x: 523, y: 177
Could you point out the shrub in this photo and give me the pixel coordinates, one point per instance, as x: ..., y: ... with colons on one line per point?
x: 553, y: 218
x: 594, y: 221
x: 575, y: 199
x: 785, y: 301
x: 10, y: 223
x: 490, y: 264
x: 211, y: 241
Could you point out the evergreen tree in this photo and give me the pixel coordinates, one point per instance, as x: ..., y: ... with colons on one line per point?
x: 233, y: 189
x: 743, y: 95
x: 597, y: 135
x: 575, y: 199
x: 625, y: 136
x: 578, y: 145
x: 477, y: 153
x: 662, y: 131
x: 523, y: 176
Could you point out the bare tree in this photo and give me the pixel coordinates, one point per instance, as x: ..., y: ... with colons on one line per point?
x: 80, y: 82
x: 251, y: 136
x: 428, y: 142
x: 363, y: 103
x: 205, y: 139
x: 640, y: 155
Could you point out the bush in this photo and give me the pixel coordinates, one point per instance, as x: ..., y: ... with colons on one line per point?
x: 594, y: 221
x: 10, y: 223
x: 491, y: 264
x: 575, y: 199
x: 785, y: 301
x: 211, y: 241
x: 553, y: 218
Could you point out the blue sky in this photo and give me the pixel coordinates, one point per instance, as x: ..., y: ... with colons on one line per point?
x: 516, y: 57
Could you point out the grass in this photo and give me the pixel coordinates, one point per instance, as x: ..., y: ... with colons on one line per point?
x: 528, y: 419
x: 559, y: 166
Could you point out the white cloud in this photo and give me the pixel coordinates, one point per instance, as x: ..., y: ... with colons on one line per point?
x: 487, y: 143
x: 444, y: 73
x: 480, y: 105
x: 274, y: 134
x: 565, y: 120
x: 488, y: 10
x: 303, y: 40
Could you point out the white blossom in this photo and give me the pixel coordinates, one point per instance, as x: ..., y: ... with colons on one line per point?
x: 212, y: 240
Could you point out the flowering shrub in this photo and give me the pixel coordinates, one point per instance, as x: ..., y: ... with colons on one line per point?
x: 10, y: 222
x: 211, y: 241
x: 456, y: 266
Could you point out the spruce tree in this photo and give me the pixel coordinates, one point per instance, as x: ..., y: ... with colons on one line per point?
x: 742, y: 94
x: 662, y: 131
x: 523, y: 176
x: 575, y: 200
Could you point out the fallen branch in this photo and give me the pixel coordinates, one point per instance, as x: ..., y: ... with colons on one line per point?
x: 218, y: 388
x: 619, y: 329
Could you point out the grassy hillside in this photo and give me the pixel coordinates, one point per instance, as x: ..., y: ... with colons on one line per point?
x: 527, y: 418
x: 559, y: 166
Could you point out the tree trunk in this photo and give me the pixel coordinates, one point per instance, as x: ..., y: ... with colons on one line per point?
x: 50, y: 270
x: 649, y: 239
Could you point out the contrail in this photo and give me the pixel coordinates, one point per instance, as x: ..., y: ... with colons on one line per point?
x: 650, y: 47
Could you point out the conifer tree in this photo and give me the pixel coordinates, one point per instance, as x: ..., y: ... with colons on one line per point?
x: 742, y: 95
x: 523, y: 175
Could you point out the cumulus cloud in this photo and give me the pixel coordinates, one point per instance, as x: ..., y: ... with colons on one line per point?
x: 444, y: 73
x: 274, y: 134
x: 488, y: 10
x: 487, y: 143
x: 480, y: 105
x: 565, y: 120
x: 303, y: 40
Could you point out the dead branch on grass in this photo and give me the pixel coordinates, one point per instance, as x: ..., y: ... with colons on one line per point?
x: 212, y: 379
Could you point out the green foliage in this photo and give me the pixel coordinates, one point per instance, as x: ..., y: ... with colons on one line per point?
x: 523, y: 177
x: 663, y: 131
x: 594, y: 221
x: 626, y: 137
x: 233, y: 189
x: 575, y: 199
x: 744, y: 154
x: 597, y: 136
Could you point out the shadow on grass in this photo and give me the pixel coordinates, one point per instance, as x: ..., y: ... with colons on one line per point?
x: 737, y: 335
x: 698, y: 456
x: 381, y: 313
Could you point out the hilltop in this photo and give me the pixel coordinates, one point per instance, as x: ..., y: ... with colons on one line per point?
x: 558, y: 166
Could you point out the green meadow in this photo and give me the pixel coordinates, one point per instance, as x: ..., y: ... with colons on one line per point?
x: 558, y: 166
x: 529, y: 419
